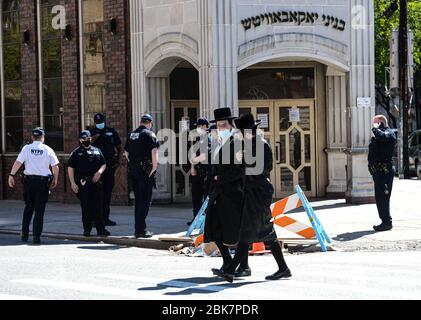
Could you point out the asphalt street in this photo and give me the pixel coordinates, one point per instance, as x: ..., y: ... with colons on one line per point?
x: 70, y: 270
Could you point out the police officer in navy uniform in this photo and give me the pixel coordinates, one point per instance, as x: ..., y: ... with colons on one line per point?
x: 108, y: 141
x: 200, y: 167
x: 37, y: 181
x: 86, y: 166
x: 142, y: 153
x: 380, y: 165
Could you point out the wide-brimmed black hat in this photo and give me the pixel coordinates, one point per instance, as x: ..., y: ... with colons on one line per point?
x: 246, y: 121
x: 222, y: 114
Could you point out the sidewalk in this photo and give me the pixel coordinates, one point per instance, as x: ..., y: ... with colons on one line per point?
x: 350, y: 227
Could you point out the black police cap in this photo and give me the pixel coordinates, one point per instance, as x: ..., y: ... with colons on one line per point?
x: 85, y: 134
x: 99, y: 118
x: 37, y: 132
x: 147, y: 118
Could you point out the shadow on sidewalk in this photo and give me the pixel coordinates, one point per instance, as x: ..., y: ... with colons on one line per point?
x: 14, y: 240
x: 349, y: 236
x: 192, y: 285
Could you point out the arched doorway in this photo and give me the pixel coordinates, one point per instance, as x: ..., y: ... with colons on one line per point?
x: 289, y: 99
x: 173, y: 99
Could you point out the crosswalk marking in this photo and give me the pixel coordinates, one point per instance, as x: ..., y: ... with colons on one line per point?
x: 126, y: 293
x: 4, y: 296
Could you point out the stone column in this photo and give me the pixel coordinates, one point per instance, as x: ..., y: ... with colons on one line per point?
x: 361, y: 84
x: 157, y: 98
x: 336, y: 100
x: 218, y: 56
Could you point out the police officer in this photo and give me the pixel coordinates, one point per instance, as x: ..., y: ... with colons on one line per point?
x: 37, y: 158
x: 380, y: 165
x: 200, y: 167
x: 108, y: 141
x: 86, y: 166
x: 142, y: 153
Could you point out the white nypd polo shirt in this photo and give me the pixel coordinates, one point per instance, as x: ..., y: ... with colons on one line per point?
x: 37, y: 158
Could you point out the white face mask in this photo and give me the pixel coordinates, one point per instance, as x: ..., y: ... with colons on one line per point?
x: 200, y: 131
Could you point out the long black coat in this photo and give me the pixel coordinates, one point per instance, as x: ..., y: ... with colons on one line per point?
x: 256, y: 214
x: 226, y: 195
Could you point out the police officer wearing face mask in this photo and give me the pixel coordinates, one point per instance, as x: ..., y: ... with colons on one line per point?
x: 108, y: 141
x: 200, y: 167
x: 86, y: 166
x: 37, y: 180
x: 380, y: 165
x: 142, y: 154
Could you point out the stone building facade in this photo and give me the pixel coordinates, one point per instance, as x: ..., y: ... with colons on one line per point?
x: 305, y: 69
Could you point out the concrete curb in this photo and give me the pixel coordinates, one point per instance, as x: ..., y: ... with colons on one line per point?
x: 126, y: 241
x: 292, y: 246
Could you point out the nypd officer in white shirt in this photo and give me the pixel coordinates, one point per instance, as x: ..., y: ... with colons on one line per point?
x: 37, y: 181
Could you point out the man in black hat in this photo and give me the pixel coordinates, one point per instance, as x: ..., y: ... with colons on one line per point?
x: 142, y: 153
x: 256, y: 225
x: 108, y: 141
x: 37, y: 181
x: 226, y: 194
x: 199, y: 166
x: 86, y: 166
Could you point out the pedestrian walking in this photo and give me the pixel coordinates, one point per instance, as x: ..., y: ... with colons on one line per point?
x: 256, y: 225
x: 86, y: 166
x: 226, y: 194
x: 380, y: 165
x: 142, y: 153
x: 38, y: 179
x: 108, y: 141
x: 200, y: 167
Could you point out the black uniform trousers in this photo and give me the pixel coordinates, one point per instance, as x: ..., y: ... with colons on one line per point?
x: 199, y: 192
x: 35, y: 194
x: 383, y: 190
x: 108, y: 181
x: 91, y: 199
x: 142, y: 188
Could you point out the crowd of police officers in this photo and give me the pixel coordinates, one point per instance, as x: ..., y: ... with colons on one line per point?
x: 238, y: 213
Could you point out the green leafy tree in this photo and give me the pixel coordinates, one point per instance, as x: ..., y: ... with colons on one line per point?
x: 383, y: 29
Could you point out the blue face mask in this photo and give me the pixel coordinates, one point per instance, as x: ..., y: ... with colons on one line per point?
x: 100, y: 126
x: 224, y: 134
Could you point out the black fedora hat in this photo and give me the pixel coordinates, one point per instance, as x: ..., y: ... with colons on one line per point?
x: 222, y: 114
x: 246, y: 121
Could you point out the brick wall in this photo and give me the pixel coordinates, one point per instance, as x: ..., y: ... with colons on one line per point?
x: 117, y: 74
x: 30, y: 92
x: 116, y: 55
x: 71, y: 79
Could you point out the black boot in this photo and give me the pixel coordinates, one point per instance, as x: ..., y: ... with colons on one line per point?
x: 227, y: 276
x: 279, y: 275
x: 24, y: 237
x: 383, y: 227
x: 37, y: 240
x: 242, y: 272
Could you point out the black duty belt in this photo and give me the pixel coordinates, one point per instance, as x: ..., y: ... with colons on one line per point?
x: 380, y: 167
x: 39, y: 178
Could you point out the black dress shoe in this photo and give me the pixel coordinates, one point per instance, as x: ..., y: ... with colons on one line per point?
x: 280, y: 274
x: 189, y: 223
x: 104, y: 233
x: 239, y: 273
x: 383, y: 227
x: 37, y: 240
x: 86, y: 233
x: 227, y: 276
x: 24, y: 237
x: 110, y: 223
x: 146, y: 234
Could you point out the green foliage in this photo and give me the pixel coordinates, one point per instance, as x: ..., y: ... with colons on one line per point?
x: 383, y: 29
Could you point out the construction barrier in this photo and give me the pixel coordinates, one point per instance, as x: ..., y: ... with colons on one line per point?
x: 321, y: 234
x: 279, y: 210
